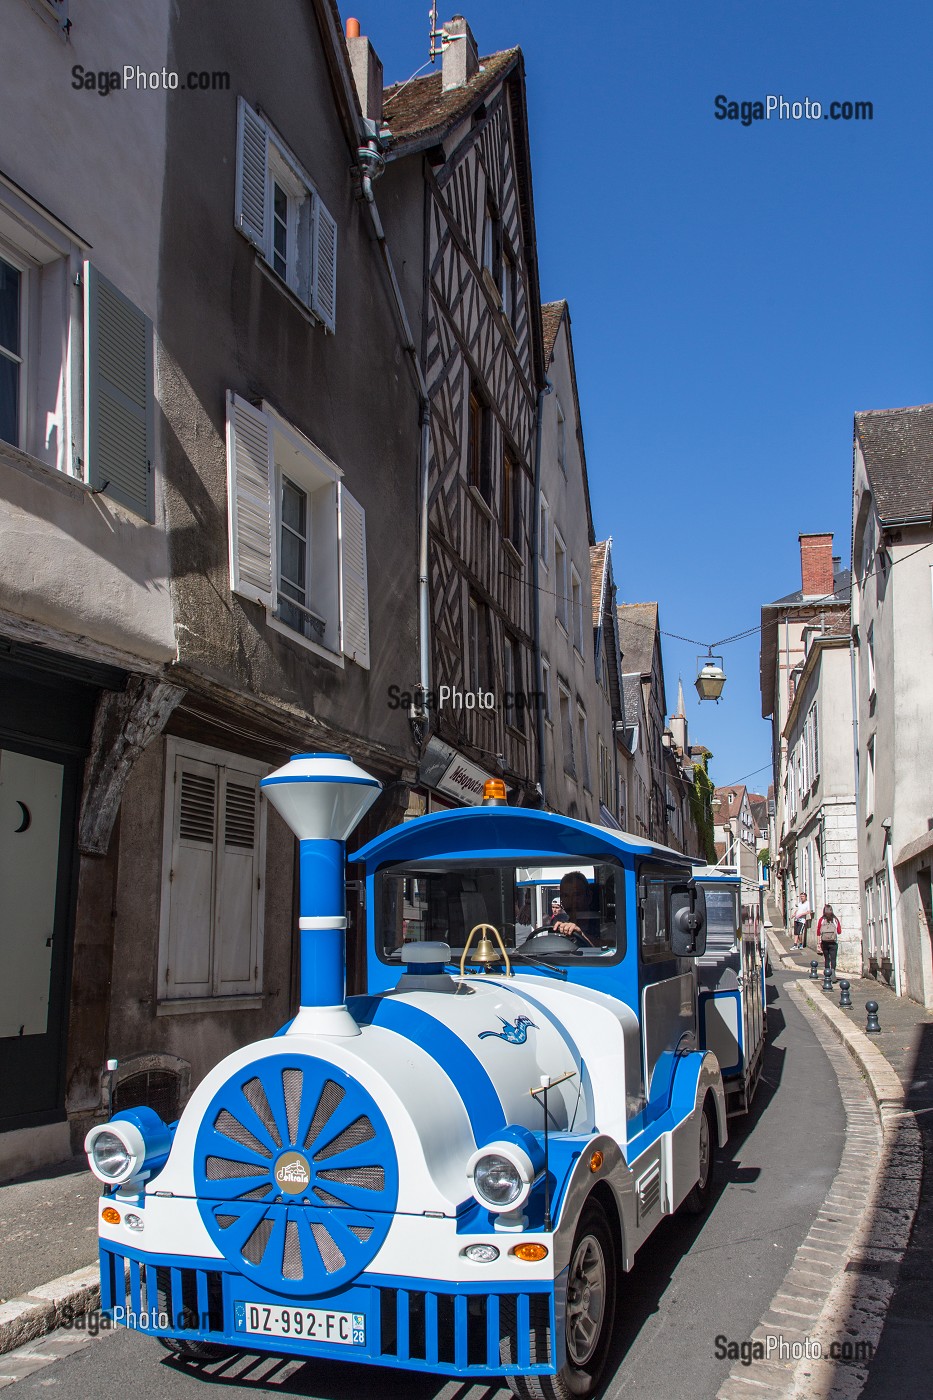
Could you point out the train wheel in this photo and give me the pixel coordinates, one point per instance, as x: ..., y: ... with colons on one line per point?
x: 589, y: 1318
x: 700, y: 1197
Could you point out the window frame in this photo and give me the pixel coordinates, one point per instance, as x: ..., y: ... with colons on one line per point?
x: 21, y: 357
x: 576, y: 608
x: 219, y: 759
x: 870, y: 777
x: 546, y: 682
x: 544, y: 533
x: 561, y: 436
x: 514, y: 710
x: 562, y: 579
x: 479, y: 443
x: 583, y: 735
x: 511, y: 499
x: 564, y: 694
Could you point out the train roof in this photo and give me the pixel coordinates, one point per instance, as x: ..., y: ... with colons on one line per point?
x: 496, y: 833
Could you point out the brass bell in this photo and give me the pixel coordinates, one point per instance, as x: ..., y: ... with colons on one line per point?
x: 486, y: 952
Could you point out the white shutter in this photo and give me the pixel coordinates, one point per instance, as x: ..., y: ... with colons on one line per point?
x: 252, y: 177
x: 119, y: 412
x: 238, y: 935
x: 324, y: 292
x: 250, y: 486
x: 354, y: 596
x: 186, y: 970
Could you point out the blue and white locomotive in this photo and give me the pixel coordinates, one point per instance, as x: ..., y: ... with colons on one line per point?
x: 444, y: 1174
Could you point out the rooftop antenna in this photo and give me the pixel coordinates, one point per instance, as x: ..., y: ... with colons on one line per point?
x: 437, y: 36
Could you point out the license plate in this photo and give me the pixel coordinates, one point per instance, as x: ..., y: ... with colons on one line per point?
x: 311, y: 1324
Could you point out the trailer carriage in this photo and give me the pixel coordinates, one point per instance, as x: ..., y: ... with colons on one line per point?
x: 446, y: 1173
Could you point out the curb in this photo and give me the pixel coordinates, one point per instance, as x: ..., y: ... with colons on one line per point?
x: 43, y: 1309
x: 886, y: 1089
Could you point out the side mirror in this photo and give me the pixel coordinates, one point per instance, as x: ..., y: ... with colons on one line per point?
x: 688, y: 921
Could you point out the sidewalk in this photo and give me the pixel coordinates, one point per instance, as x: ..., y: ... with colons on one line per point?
x: 48, y: 1240
x: 903, y: 1362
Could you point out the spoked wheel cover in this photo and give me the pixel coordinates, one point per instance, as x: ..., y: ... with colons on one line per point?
x: 586, y: 1300
x: 296, y: 1174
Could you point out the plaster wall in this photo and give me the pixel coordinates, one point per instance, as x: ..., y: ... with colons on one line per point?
x: 90, y: 169
x: 229, y: 324
x: 564, y: 490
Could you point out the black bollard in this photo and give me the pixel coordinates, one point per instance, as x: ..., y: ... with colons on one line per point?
x: 827, y: 978
x: 814, y: 975
x: 872, y: 1025
x: 845, y: 998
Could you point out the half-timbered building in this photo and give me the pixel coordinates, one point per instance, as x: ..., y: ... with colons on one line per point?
x: 457, y: 201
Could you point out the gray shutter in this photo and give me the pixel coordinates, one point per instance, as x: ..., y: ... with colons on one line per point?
x: 237, y: 922
x: 188, y: 971
x: 252, y: 182
x: 324, y: 291
x: 250, y: 479
x: 119, y: 405
x: 354, y: 597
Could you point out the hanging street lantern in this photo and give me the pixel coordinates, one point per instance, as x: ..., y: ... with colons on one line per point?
x: 711, y: 678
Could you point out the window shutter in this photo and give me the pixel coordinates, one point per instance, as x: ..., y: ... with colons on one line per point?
x: 119, y: 410
x: 354, y: 597
x: 238, y: 935
x: 250, y: 479
x: 324, y: 294
x: 187, y: 971
x: 252, y: 177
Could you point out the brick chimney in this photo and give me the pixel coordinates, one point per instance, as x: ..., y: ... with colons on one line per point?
x: 461, y: 58
x: 816, y: 565
x: 366, y: 67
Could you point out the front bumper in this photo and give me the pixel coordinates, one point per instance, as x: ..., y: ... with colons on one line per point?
x: 461, y: 1329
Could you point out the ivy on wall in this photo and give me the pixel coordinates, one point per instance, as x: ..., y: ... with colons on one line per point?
x: 700, y: 794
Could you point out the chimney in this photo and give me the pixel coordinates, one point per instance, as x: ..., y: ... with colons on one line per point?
x: 366, y: 67
x: 816, y: 565
x: 461, y: 59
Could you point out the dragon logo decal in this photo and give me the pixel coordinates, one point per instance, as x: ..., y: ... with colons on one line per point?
x: 512, y: 1034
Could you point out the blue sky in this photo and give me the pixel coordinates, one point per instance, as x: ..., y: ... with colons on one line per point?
x: 737, y: 293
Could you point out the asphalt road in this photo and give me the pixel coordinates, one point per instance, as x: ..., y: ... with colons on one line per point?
x: 693, y: 1281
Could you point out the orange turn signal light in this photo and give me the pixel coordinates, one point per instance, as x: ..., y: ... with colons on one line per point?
x: 110, y: 1216
x: 531, y: 1253
x: 596, y: 1161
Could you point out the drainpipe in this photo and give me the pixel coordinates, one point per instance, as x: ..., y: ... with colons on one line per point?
x: 536, y: 564
x: 889, y: 863
x: 371, y: 165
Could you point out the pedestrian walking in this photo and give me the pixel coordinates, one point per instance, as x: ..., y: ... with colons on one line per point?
x: 828, y: 929
x: 802, y: 916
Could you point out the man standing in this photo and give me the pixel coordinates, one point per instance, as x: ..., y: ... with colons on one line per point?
x: 802, y: 916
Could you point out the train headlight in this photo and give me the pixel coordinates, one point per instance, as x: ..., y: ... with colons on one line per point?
x: 503, y: 1172
x: 131, y: 1144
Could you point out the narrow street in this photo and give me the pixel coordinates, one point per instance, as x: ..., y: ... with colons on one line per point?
x: 693, y: 1283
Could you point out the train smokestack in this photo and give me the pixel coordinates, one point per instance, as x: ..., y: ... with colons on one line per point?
x: 322, y: 796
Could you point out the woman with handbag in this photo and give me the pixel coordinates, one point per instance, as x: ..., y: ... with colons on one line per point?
x: 828, y: 930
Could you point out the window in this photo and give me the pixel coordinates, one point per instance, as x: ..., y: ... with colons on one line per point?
x: 884, y: 915
x: 870, y: 918
x: 282, y: 215
x: 870, y: 779
x: 870, y: 656
x: 545, y: 699
x: 816, y: 742
x: 511, y: 500
x: 544, y: 533
x: 444, y: 898
x: 623, y: 802
x: 584, y: 762
x: 211, y: 922
x: 297, y: 536
x: 605, y: 776
x: 11, y: 359
x: 57, y: 315
x: 507, y: 284
x: 479, y: 434
x: 492, y: 243
x: 566, y: 728
x: 653, y: 906
x: 478, y: 644
x: 576, y: 600
x: 561, y: 439
x: 562, y: 600
x: 514, y: 688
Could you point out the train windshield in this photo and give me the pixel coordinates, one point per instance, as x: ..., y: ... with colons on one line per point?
x: 553, y: 911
